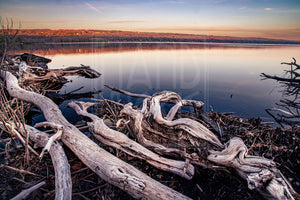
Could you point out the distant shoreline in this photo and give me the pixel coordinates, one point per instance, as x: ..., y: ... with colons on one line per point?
x: 81, y: 39
x: 65, y: 36
x: 183, y: 43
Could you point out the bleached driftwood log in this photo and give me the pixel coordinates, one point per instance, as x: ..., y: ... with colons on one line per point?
x: 63, y: 182
x: 137, y: 125
x: 120, y: 141
x: 107, y: 166
x: 197, y: 105
x: 260, y: 173
x: 30, y: 73
x: 192, y: 127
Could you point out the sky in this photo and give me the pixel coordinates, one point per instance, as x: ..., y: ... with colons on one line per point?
x: 246, y: 18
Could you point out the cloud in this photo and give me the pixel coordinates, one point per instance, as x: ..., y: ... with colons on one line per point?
x: 268, y: 9
x: 93, y: 8
x: 176, y: 2
x: 243, y: 8
x: 125, y: 21
x: 219, y: 1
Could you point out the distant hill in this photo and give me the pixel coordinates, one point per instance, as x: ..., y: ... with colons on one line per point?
x: 47, y: 35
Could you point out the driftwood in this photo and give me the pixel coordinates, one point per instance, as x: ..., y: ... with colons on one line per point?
x: 33, y: 60
x: 137, y: 125
x: 185, y: 141
x: 63, y: 183
x: 260, y: 173
x: 107, y: 166
x: 32, y: 74
x: 192, y: 127
x: 120, y: 141
x: 196, y: 104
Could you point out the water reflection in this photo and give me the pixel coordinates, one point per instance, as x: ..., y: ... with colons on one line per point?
x: 224, y: 76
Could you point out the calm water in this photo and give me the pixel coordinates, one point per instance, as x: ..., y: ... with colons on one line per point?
x: 226, y: 77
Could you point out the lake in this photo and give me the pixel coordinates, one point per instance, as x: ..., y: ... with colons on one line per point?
x: 226, y: 77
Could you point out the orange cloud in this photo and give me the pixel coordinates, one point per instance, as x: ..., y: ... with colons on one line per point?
x: 125, y: 21
x: 268, y: 9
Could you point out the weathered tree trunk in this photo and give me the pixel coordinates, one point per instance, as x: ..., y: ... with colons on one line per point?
x: 107, y: 166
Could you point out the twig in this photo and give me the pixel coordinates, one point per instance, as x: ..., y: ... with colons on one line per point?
x: 18, y: 135
x: 75, y: 90
x: 90, y: 190
x: 20, y: 180
x: 127, y: 93
x: 53, y: 138
x: 84, y: 197
x: 112, y: 112
x: 26, y: 135
x: 80, y: 170
x: 117, y: 103
x: 26, y: 192
x: 20, y: 170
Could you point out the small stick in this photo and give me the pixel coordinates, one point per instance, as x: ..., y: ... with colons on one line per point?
x: 117, y: 103
x: 84, y: 197
x: 53, y: 138
x: 20, y: 180
x: 90, y: 190
x: 18, y: 135
x: 112, y: 112
x: 26, y: 135
x: 127, y: 93
x: 5, y: 140
x: 79, y: 170
x: 20, y: 170
x: 25, y: 193
x: 198, y: 186
x: 75, y: 90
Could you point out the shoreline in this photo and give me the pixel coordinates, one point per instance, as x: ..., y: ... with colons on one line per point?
x: 184, y: 43
x: 117, y: 35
